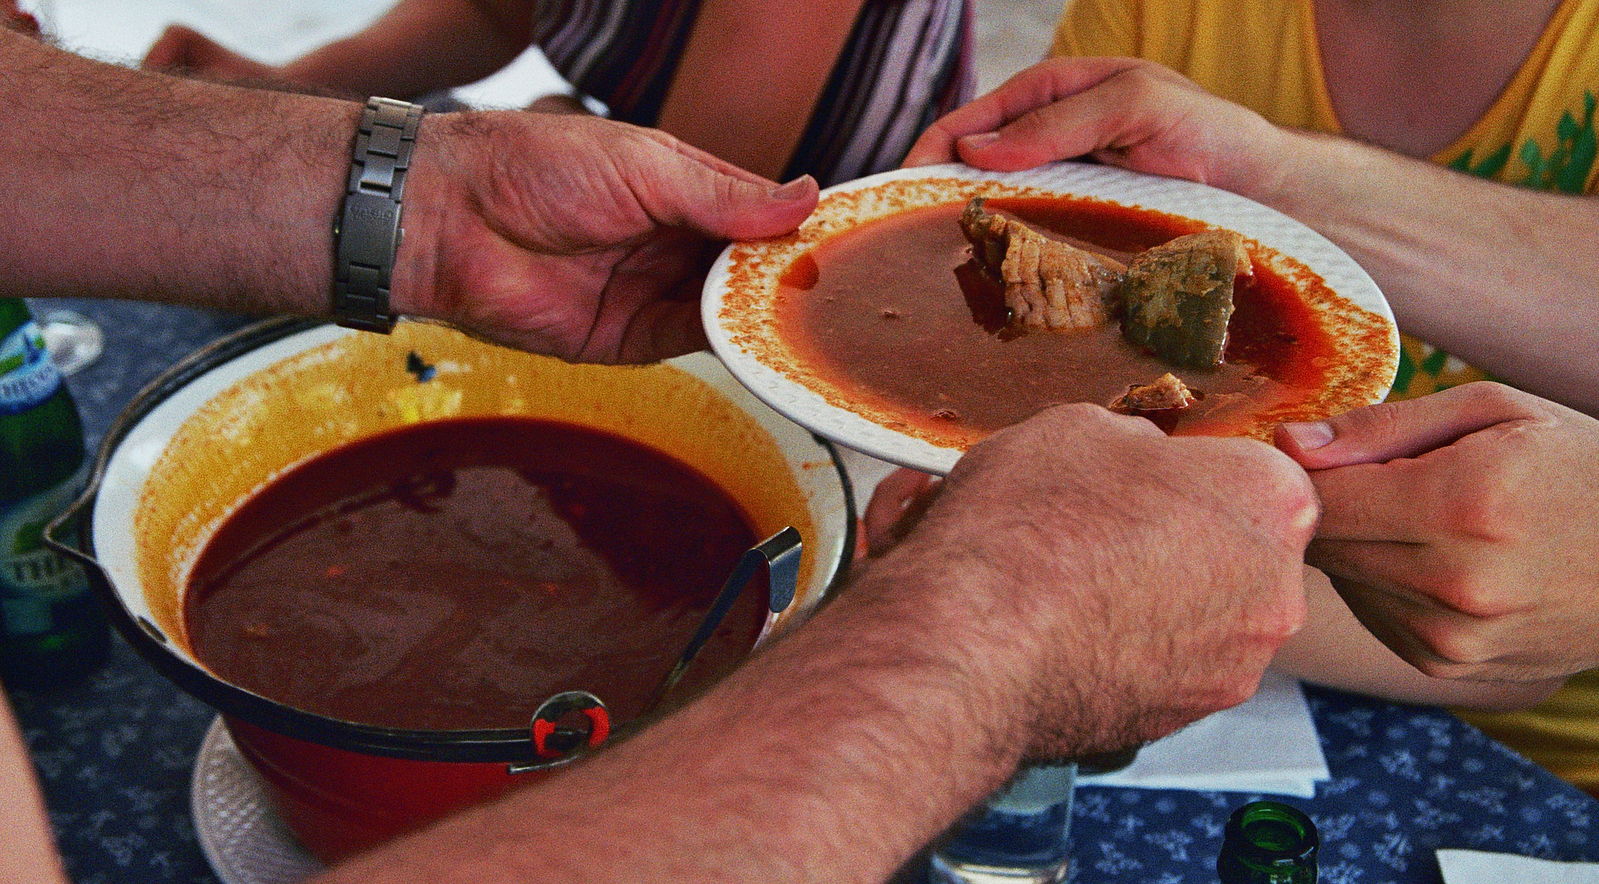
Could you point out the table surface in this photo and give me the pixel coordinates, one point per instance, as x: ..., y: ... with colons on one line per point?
x: 116, y: 751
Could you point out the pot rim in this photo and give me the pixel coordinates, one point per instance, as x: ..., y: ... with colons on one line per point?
x: 70, y: 535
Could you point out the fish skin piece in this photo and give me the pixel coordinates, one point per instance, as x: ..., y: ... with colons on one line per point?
x: 1178, y: 297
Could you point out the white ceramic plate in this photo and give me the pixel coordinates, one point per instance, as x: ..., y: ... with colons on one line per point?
x: 739, y: 304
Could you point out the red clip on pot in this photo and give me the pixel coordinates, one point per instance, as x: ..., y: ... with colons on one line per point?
x: 554, y: 735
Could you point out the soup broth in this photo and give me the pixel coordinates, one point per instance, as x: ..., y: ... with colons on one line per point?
x: 895, y: 313
x: 452, y: 575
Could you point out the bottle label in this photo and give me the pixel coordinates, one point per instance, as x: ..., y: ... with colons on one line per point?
x: 32, y: 576
x: 27, y: 376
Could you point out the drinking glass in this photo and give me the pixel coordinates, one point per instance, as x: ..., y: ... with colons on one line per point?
x: 1020, y: 835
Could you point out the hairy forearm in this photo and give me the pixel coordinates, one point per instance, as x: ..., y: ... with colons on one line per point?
x: 1503, y: 277
x: 831, y: 756
x: 420, y: 46
x: 126, y: 184
x: 1335, y: 650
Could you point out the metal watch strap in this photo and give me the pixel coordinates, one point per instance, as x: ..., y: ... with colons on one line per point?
x: 366, y: 235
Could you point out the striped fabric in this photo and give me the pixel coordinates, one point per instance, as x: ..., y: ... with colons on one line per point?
x: 905, y: 63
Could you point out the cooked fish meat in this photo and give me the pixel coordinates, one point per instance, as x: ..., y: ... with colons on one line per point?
x: 1177, y: 297
x: 1048, y: 283
x: 1160, y: 401
x: 1165, y: 392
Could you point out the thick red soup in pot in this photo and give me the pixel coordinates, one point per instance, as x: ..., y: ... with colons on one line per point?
x: 453, y: 575
x: 895, y: 313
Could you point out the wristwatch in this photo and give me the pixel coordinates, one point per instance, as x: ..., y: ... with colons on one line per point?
x: 366, y: 233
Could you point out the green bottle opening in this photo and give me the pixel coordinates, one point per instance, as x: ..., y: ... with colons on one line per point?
x: 1268, y: 842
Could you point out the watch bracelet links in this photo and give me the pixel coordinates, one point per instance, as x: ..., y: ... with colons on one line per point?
x: 367, y: 231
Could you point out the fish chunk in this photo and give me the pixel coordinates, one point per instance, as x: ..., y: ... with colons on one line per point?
x: 1048, y: 284
x: 1178, y: 297
x: 1161, y: 400
x: 1166, y: 391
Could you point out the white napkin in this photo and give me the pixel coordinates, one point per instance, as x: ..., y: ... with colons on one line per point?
x: 1478, y: 867
x: 1265, y: 745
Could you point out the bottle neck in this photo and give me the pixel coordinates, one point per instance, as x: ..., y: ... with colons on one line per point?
x: 13, y: 313
x: 1267, y: 842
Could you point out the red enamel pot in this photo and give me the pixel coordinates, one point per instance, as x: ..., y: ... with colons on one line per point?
x: 216, y: 427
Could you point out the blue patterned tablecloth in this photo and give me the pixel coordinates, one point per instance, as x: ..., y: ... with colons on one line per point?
x: 116, y: 752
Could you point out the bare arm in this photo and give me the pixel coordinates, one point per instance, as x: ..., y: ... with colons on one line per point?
x: 137, y: 185
x: 832, y: 757
x: 421, y: 46
x: 751, y: 75
x: 29, y: 853
x: 226, y: 200
x: 418, y: 46
x: 1334, y: 649
x: 1501, y: 276
x: 1006, y: 625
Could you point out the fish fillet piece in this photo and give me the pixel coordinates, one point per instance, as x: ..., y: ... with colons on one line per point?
x: 1178, y: 297
x: 1161, y: 400
x: 1048, y: 284
x: 1165, y: 392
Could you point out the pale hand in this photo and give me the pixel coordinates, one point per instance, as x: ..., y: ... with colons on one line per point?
x: 1461, y: 527
x: 1133, y: 582
x: 574, y: 236
x: 1120, y: 111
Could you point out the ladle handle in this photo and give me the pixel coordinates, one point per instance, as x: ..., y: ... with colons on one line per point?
x: 781, y: 554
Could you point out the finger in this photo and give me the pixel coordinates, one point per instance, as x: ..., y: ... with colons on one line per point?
x: 1089, y: 414
x: 171, y: 50
x: 1129, y: 110
x: 1378, y: 564
x: 1390, y: 502
x: 1031, y: 89
x: 1444, y: 643
x: 1409, y: 428
x: 1071, y: 127
x: 893, y: 495
x: 1390, y: 617
x: 704, y: 195
x: 915, y: 510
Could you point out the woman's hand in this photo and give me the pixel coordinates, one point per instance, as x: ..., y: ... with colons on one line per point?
x: 1462, y: 527
x: 1120, y: 111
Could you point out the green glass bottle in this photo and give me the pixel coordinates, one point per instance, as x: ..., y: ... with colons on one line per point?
x: 1267, y: 842
x: 52, y: 630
